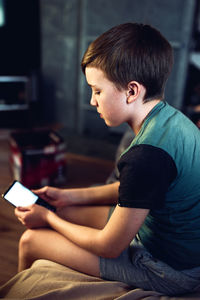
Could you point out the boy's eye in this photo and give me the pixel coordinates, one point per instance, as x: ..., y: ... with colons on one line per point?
x: 97, y: 93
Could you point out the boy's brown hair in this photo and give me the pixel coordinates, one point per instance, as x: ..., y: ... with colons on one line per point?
x: 132, y: 52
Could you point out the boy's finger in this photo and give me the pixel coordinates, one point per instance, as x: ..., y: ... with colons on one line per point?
x: 39, y: 191
x: 24, y: 208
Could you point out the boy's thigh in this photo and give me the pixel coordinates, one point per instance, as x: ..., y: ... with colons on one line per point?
x: 51, y: 245
x: 137, y: 268
x: 89, y: 215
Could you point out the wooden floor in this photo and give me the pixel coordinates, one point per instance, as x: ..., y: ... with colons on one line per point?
x: 81, y: 171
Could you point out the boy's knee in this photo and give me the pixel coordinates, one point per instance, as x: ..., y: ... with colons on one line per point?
x: 26, y: 239
x: 26, y: 249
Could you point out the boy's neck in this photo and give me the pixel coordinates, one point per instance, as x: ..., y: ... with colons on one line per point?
x: 142, y: 112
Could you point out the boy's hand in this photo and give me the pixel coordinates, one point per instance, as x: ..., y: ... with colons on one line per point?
x: 54, y: 196
x: 33, y: 216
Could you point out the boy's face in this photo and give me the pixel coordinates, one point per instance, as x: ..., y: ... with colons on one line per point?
x: 109, y: 101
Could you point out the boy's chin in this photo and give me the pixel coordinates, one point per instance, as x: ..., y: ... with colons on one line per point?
x: 112, y: 124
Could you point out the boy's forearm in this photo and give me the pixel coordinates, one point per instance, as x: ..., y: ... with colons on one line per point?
x: 85, y: 237
x: 101, y: 195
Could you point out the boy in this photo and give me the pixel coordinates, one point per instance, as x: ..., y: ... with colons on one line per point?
x: 152, y: 238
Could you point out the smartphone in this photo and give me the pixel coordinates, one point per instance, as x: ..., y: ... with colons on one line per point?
x: 19, y: 195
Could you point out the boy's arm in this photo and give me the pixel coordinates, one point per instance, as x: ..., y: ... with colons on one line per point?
x: 104, y: 194
x: 108, y: 242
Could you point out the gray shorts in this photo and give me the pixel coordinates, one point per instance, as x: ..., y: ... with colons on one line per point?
x: 137, y: 268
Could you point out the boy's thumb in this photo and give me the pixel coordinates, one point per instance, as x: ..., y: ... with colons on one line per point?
x: 23, y: 208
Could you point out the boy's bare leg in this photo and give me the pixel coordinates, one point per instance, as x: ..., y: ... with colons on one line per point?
x: 48, y: 244
x: 91, y: 216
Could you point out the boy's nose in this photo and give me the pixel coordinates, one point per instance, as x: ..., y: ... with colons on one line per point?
x: 93, y: 102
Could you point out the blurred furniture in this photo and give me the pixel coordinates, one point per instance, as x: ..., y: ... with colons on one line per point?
x: 38, y: 157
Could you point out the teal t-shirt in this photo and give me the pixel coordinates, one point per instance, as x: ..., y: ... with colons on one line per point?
x: 171, y: 232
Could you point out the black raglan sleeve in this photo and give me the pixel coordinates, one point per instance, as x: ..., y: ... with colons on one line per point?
x: 146, y: 173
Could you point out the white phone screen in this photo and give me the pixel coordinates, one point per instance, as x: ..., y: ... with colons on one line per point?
x: 19, y: 195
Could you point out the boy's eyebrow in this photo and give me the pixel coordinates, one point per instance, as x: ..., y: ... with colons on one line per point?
x: 92, y: 85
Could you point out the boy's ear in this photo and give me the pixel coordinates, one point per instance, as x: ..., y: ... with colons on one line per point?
x: 133, y: 91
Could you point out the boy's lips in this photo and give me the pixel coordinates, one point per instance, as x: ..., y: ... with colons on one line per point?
x: 101, y: 116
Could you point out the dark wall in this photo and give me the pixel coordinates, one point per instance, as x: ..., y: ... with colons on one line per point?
x: 20, y: 38
x: 20, y: 55
x: 60, y: 65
